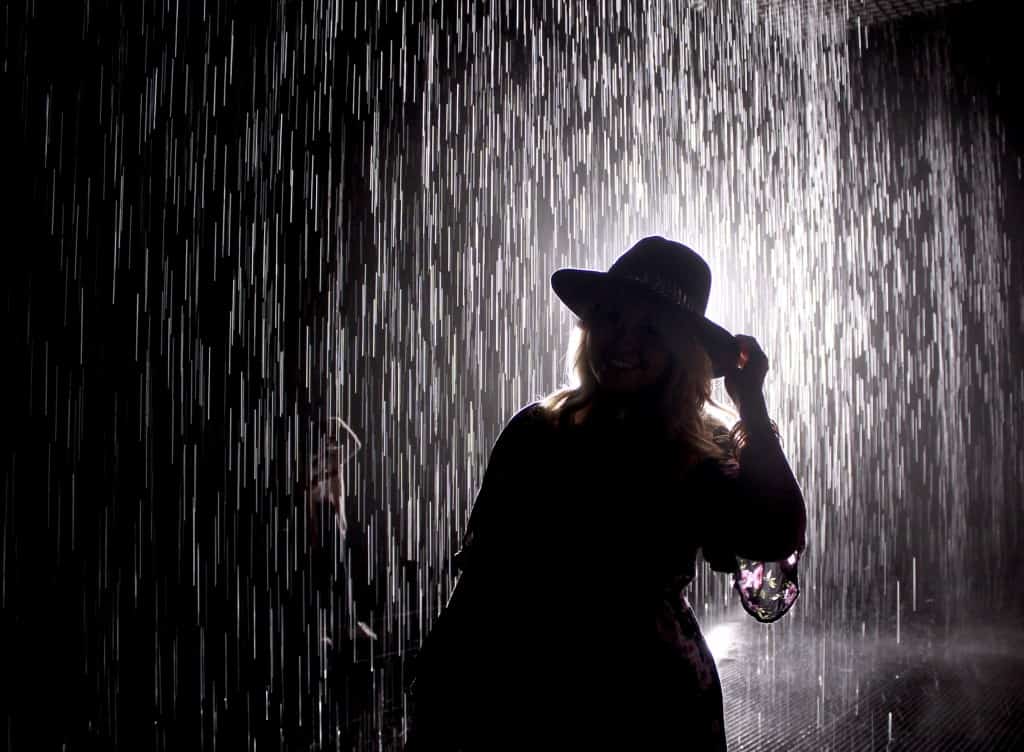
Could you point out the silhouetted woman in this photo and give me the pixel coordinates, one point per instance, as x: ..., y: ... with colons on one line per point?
x: 568, y: 627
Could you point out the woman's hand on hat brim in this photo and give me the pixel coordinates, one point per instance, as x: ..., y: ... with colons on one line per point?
x: 744, y: 381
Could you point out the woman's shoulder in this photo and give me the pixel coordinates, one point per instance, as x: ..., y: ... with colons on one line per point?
x: 523, y: 433
x: 530, y: 418
x: 529, y: 423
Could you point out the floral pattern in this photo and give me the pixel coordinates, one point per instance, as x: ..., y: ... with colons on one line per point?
x: 767, y: 589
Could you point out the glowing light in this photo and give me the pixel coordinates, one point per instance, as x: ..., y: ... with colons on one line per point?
x: 721, y: 639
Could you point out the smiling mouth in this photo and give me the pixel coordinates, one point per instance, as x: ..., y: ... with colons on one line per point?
x: 622, y: 365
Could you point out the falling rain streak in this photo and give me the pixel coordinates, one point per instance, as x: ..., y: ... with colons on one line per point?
x: 260, y: 231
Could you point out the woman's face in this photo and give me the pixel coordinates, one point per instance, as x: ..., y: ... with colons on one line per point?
x: 630, y: 344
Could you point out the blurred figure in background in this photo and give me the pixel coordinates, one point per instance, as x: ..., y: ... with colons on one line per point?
x: 339, y: 550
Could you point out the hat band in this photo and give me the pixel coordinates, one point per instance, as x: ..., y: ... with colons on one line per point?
x: 666, y: 290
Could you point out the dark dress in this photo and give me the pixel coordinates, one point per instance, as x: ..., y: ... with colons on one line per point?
x: 568, y: 627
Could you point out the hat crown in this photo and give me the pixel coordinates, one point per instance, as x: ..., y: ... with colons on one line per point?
x: 671, y: 270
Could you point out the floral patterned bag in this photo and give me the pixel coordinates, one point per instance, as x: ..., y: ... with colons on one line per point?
x: 767, y: 589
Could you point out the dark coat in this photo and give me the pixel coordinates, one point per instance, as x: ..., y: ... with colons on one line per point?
x: 568, y: 627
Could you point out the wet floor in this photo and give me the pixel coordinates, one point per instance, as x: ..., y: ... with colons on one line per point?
x: 810, y: 689
x: 935, y: 689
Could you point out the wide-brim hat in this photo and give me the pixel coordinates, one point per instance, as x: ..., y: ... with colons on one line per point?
x: 662, y: 271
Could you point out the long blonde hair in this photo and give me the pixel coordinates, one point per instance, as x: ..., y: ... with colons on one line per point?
x: 684, y: 400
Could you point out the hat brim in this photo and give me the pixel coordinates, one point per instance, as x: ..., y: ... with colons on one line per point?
x: 580, y: 289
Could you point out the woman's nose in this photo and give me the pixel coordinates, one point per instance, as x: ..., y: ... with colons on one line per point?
x: 627, y: 336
